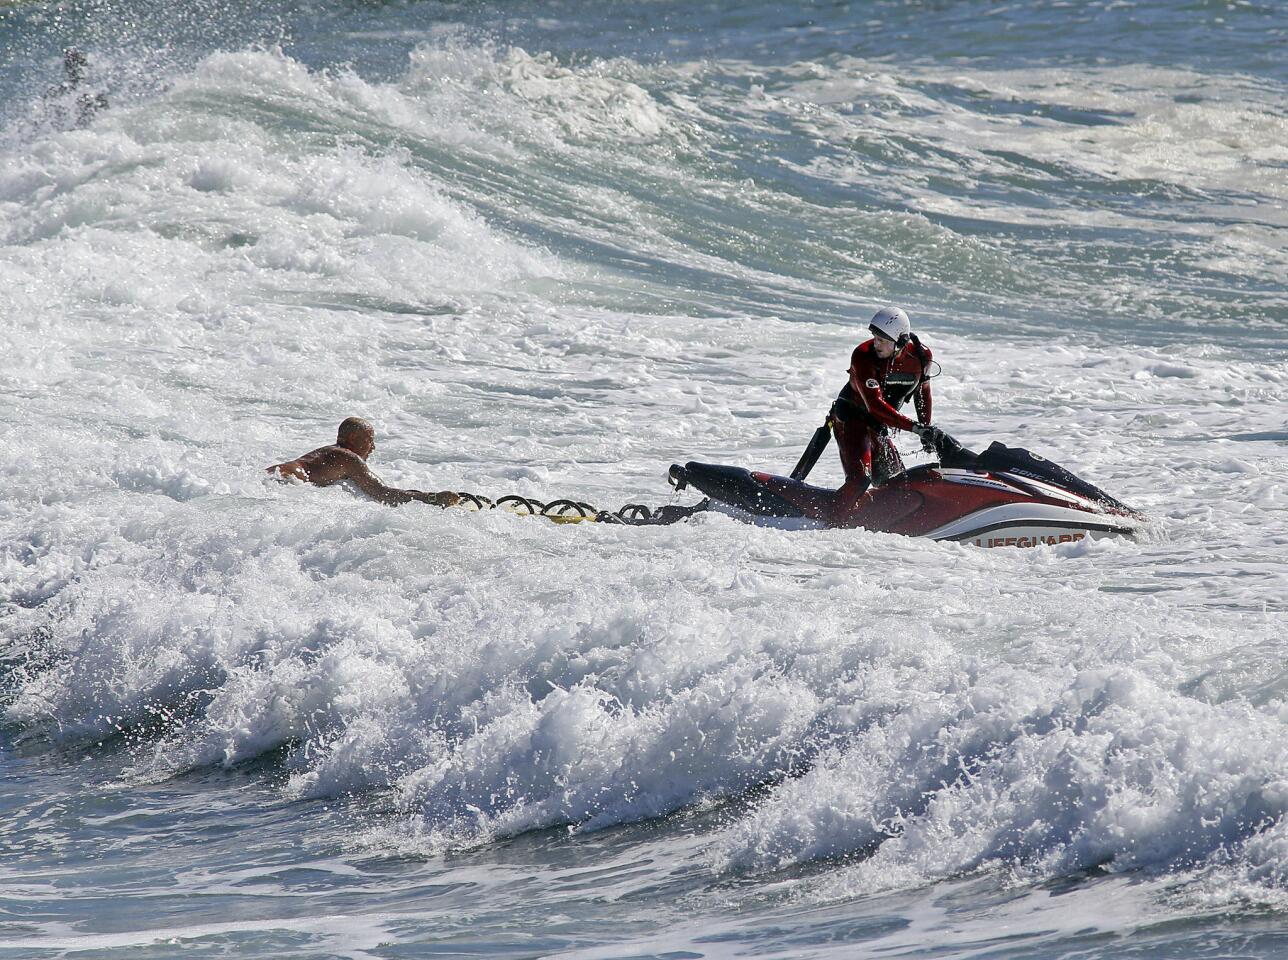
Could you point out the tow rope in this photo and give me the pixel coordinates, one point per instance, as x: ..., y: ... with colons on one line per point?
x: 575, y: 511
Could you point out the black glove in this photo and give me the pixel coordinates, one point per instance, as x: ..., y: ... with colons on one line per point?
x: 931, y: 437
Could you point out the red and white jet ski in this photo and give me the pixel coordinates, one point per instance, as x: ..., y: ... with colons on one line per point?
x: 1002, y: 497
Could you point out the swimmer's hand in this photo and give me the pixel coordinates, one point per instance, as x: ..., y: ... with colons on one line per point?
x: 444, y: 498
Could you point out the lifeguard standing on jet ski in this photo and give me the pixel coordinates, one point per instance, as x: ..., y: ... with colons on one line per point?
x: 884, y: 372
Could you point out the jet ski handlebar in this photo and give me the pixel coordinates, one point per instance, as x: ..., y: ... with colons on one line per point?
x: 952, y: 453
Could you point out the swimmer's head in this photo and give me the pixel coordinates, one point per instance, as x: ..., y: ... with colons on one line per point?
x: 357, y: 435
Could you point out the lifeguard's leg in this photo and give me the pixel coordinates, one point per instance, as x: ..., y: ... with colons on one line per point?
x: 854, y: 443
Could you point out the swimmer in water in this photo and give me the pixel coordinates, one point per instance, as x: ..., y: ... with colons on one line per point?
x: 345, y: 461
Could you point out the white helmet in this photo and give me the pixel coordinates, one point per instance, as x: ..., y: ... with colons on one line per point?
x: 893, y: 324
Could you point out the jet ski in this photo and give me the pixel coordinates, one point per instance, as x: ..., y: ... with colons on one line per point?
x: 1003, y: 497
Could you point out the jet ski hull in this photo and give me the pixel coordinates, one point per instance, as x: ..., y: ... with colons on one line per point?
x: 1023, y: 501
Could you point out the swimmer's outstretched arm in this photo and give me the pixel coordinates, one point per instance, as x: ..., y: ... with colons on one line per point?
x: 370, y: 484
x: 354, y: 469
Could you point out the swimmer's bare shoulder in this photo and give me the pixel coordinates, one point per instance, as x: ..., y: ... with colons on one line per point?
x: 323, y: 466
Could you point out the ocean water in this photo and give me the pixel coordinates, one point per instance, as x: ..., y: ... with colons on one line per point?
x: 549, y: 249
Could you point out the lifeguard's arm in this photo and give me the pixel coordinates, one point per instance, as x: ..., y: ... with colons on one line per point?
x: 869, y: 391
x: 921, y: 399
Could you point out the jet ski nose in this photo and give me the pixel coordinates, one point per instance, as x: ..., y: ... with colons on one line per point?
x: 736, y: 487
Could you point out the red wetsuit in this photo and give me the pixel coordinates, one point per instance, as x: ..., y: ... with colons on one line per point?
x: 868, y: 407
